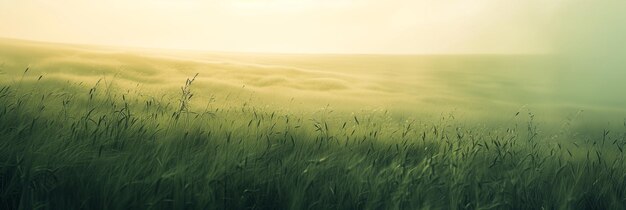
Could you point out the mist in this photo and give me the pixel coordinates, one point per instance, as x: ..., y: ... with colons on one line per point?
x: 589, y: 38
x: 312, y: 104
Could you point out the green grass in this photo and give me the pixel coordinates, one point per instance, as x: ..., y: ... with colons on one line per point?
x: 95, y: 128
x: 101, y: 147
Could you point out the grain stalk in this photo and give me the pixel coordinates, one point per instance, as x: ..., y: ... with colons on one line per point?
x: 185, y: 97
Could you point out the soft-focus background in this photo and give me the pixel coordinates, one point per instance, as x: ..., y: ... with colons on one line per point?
x: 480, y: 59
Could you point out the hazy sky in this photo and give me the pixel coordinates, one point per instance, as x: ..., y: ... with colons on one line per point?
x: 300, y: 26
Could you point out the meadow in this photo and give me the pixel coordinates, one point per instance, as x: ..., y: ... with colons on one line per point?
x: 88, y: 127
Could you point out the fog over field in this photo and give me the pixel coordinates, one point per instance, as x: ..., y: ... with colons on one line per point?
x: 312, y: 104
x: 492, y: 87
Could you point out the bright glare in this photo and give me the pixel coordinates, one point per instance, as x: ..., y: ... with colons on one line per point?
x: 289, y: 26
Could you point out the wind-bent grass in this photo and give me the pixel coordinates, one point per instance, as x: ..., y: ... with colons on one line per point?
x: 106, y: 148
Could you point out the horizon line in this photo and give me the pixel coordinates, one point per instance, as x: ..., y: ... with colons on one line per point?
x: 144, y: 48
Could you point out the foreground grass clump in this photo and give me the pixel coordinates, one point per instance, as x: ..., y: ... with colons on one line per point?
x: 73, y: 147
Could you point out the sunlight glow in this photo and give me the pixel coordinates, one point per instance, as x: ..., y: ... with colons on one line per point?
x: 289, y: 26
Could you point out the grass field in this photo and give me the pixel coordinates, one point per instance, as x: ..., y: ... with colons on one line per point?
x: 86, y: 127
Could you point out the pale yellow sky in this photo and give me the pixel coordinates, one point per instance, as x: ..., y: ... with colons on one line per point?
x: 288, y: 26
